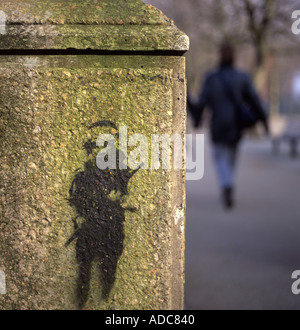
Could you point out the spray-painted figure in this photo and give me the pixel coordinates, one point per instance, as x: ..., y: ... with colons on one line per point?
x: 101, y: 236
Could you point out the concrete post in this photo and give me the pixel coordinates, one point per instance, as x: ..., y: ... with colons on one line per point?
x: 73, y: 235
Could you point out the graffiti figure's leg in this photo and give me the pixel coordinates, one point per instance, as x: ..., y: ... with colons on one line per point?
x: 83, y: 282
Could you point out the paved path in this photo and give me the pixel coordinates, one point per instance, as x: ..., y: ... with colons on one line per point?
x: 243, y: 259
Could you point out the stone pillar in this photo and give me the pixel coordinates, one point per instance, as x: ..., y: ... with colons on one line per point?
x: 73, y: 235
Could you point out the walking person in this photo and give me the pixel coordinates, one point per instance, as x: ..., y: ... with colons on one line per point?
x: 235, y: 105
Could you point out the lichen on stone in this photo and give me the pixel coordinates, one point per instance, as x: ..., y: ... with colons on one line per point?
x: 47, y: 107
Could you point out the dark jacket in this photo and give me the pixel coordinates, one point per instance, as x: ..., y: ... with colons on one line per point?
x: 224, y: 124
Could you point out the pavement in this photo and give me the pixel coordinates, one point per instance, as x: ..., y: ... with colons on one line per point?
x: 244, y: 259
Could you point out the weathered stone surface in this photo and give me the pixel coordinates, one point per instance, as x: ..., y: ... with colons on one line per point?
x: 105, y: 25
x: 48, y: 109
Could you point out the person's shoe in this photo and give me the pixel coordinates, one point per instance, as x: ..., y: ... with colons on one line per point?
x: 228, y: 197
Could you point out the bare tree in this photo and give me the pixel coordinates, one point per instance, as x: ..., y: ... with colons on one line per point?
x: 257, y: 24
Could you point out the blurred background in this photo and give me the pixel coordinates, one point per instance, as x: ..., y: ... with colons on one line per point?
x: 244, y: 258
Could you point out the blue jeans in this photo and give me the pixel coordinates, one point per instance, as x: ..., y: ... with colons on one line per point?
x: 225, y: 157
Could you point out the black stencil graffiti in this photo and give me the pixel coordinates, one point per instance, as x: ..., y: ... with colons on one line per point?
x: 100, y: 237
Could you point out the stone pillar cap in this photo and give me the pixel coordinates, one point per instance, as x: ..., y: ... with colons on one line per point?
x: 104, y: 25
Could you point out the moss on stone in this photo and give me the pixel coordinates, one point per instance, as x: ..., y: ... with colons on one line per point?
x: 47, y: 105
x: 90, y: 12
x: 101, y: 25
